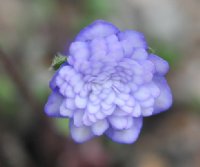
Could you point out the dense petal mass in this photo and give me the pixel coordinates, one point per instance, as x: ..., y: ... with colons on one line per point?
x: 109, y: 84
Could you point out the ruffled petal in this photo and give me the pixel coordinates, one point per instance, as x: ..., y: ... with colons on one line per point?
x: 131, y: 40
x: 120, y: 122
x: 162, y: 66
x: 78, y: 118
x: 52, y: 107
x: 100, y: 127
x: 80, y: 102
x: 64, y: 111
x: 115, y: 50
x: 53, y: 82
x: 98, y: 49
x: 164, y: 100
x: 97, y: 29
x: 139, y: 54
x: 126, y: 136
x: 79, y: 51
x: 80, y: 134
x: 142, y: 93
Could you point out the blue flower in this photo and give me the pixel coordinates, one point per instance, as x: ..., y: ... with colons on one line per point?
x: 109, y: 84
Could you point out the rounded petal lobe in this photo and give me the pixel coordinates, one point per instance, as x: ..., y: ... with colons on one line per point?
x: 162, y: 66
x: 97, y: 29
x: 80, y: 134
x: 133, y: 38
x: 100, y: 127
x: 164, y: 100
x: 52, y: 107
x: 64, y: 111
x: 139, y: 54
x: 52, y: 83
x: 126, y: 136
x: 78, y: 118
x: 118, y: 122
x: 80, y: 102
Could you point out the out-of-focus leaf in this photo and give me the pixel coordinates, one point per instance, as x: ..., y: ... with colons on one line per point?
x: 62, y: 125
x: 98, y: 7
x: 95, y: 9
x: 165, y: 50
x: 7, y: 90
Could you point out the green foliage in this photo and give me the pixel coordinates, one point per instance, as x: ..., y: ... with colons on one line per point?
x: 7, y: 90
x: 165, y: 50
x: 151, y: 50
x: 98, y: 8
x: 7, y: 97
x: 62, y: 125
x: 194, y: 103
x: 93, y: 10
x: 42, y: 9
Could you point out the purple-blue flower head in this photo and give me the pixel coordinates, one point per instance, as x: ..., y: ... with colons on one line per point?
x: 109, y: 84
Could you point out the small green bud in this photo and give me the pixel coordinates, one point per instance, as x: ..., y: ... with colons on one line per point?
x: 150, y: 50
x: 58, y: 60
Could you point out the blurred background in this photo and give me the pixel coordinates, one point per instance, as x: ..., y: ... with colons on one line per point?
x: 33, y: 31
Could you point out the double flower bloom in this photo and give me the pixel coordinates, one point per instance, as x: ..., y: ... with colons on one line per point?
x: 109, y: 84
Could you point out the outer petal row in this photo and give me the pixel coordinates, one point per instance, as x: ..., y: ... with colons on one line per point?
x: 162, y: 66
x: 52, y: 107
x: 84, y: 133
x: 131, y: 40
x: 97, y: 29
x: 80, y: 134
x: 126, y: 136
x: 164, y: 100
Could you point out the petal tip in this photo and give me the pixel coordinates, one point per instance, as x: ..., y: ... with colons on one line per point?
x: 80, y: 134
x: 127, y: 136
x: 98, y: 28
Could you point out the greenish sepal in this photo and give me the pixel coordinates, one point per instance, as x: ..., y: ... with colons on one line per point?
x: 58, y: 60
x: 151, y: 50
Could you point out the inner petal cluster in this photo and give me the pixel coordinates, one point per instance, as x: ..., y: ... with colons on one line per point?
x: 116, y: 92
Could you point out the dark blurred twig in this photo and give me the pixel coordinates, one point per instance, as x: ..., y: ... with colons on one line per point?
x: 21, y: 85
